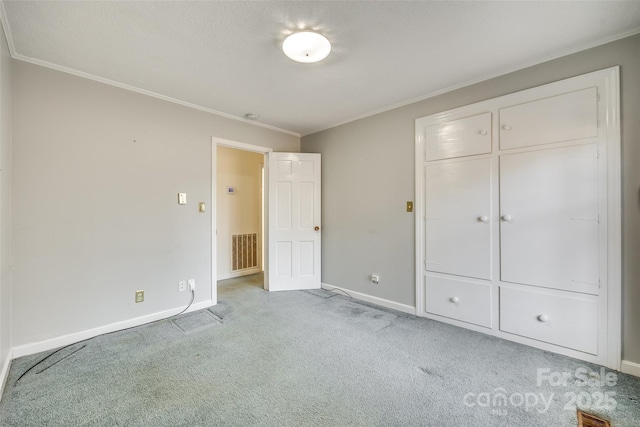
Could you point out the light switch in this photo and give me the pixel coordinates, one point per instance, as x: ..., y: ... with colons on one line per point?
x: 202, y: 207
x: 409, y: 206
x: 182, y: 198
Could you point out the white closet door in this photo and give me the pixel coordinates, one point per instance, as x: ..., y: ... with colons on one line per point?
x: 565, y: 117
x: 458, y: 217
x: 457, y: 138
x: 549, y: 218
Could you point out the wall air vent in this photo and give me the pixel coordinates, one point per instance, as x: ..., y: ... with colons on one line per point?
x: 244, y: 251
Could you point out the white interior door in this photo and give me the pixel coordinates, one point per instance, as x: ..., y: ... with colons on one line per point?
x: 294, y: 221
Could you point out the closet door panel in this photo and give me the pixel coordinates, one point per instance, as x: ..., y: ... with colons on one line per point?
x: 565, y: 117
x: 457, y: 138
x: 458, y: 212
x: 549, y: 218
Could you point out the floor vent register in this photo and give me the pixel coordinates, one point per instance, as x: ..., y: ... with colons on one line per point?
x: 588, y: 420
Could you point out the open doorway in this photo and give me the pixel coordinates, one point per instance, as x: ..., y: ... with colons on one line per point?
x: 238, y: 210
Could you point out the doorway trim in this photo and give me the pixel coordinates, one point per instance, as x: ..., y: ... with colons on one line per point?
x: 215, y: 142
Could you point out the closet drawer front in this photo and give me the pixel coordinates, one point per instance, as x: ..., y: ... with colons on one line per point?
x: 458, y: 138
x: 561, y: 318
x: 459, y: 299
x: 560, y: 118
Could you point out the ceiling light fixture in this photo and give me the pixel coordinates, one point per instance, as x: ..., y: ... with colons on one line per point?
x: 251, y: 116
x: 306, y: 46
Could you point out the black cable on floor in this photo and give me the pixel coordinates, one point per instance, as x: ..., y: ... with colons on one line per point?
x: 339, y: 290
x: 193, y: 296
x: 55, y: 363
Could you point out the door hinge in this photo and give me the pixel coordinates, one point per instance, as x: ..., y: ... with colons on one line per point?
x: 598, y: 123
x: 598, y: 219
x: 597, y: 97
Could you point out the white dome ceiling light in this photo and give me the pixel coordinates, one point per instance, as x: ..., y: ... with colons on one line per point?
x: 306, y: 46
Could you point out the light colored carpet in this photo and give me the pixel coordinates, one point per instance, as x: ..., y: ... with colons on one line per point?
x: 306, y: 359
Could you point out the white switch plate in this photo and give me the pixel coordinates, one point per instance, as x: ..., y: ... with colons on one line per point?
x: 182, y: 285
x: 192, y: 284
x: 182, y: 198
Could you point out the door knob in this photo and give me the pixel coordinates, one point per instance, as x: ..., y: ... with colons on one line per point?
x: 483, y: 218
x: 316, y: 228
x: 482, y: 132
x: 506, y: 127
x: 543, y: 318
x: 454, y: 300
x: 506, y: 218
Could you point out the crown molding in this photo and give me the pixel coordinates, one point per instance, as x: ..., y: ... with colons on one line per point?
x: 7, y: 30
x: 483, y: 78
x: 93, y: 77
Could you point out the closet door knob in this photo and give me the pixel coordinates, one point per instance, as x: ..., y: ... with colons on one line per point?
x: 506, y: 127
x: 454, y: 300
x: 506, y: 218
x: 543, y: 318
x: 482, y: 132
x: 483, y: 218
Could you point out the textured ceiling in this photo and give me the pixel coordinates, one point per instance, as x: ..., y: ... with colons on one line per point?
x: 225, y: 55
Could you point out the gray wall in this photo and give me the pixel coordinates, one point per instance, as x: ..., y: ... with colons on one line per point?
x: 96, y: 172
x: 5, y: 199
x: 368, y: 175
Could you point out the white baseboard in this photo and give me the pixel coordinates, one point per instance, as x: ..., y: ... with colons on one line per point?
x: 4, y: 373
x: 241, y: 273
x: 630, y: 368
x: 50, y: 344
x: 374, y: 300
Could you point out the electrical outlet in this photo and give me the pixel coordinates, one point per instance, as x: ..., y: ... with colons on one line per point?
x: 192, y: 284
x: 375, y: 278
x: 182, y: 285
x: 139, y: 296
